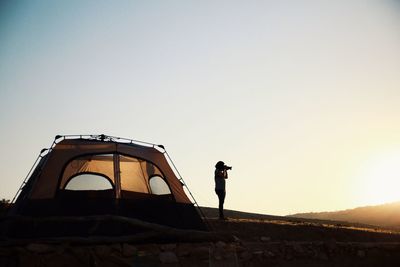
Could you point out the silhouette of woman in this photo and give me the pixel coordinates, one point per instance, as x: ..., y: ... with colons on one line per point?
x: 220, y: 175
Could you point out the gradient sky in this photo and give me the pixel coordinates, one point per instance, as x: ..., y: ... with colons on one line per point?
x: 302, y: 98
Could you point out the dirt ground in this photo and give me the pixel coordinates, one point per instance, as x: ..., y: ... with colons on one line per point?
x: 254, y: 243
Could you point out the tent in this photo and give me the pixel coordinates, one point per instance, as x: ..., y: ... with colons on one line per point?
x: 104, y: 175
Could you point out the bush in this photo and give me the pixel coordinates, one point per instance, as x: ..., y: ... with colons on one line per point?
x: 5, y: 205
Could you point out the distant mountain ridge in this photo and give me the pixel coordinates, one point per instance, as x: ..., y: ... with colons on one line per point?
x: 209, y: 212
x: 384, y: 215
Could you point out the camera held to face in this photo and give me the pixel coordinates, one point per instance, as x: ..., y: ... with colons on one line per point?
x: 221, y: 166
x: 227, y: 167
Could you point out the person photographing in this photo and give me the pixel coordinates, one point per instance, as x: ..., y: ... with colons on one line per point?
x: 220, y: 175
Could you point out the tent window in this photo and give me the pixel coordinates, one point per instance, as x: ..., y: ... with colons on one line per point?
x: 89, y: 181
x: 101, y: 164
x: 135, y: 174
x: 97, y: 172
x: 159, y: 186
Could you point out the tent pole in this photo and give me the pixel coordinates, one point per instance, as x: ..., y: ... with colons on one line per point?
x: 34, y: 166
x: 26, y: 178
x: 190, y: 193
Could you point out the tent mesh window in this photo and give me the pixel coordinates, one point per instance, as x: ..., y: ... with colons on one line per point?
x: 113, y: 171
x: 93, y: 164
x: 89, y: 181
x: 159, y: 186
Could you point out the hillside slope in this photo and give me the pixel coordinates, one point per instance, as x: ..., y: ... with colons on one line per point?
x: 385, y: 215
x: 260, y: 241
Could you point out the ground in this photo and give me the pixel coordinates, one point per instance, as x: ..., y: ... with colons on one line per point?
x: 244, y: 242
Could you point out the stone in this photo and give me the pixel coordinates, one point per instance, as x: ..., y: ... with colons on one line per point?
x: 369, y: 245
x: 245, y: 255
x: 116, y: 247
x: 240, y: 249
x: 237, y: 239
x: 361, y: 253
x: 149, y: 249
x: 60, y: 250
x: 269, y: 254
x: 289, y: 255
x: 168, y: 257
x: 218, y: 256
x: 331, y: 245
x: 168, y: 247
x: 220, y: 244
x: 40, y: 248
x: 183, y: 250
x: 201, y: 252
x: 258, y: 253
x: 298, y: 249
x: 231, y: 247
x: 390, y: 247
x: 265, y: 239
x: 102, y: 250
x: 323, y: 256
x: 129, y: 250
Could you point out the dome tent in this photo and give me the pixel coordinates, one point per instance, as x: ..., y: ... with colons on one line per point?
x: 104, y: 175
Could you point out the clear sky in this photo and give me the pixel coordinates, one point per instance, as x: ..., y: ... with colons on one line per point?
x: 300, y: 97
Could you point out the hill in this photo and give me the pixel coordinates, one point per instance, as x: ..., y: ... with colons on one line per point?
x: 245, y: 239
x: 385, y: 215
x: 233, y: 214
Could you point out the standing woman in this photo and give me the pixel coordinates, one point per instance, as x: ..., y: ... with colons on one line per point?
x: 220, y: 175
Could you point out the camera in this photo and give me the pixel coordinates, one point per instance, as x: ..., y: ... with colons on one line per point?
x: 227, y: 167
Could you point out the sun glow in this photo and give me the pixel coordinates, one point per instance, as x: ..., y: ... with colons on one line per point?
x: 379, y: 179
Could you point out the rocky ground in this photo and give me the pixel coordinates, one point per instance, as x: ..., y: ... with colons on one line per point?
x: 254, y: 243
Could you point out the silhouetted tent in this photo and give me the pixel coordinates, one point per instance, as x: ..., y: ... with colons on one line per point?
x: 103, y: 175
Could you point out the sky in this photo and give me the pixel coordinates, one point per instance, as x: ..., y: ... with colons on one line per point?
x: 300, y: 97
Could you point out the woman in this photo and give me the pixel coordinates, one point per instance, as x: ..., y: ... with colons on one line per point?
x: 220, y: 175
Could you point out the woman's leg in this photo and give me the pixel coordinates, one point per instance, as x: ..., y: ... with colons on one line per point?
x: 221, y: 197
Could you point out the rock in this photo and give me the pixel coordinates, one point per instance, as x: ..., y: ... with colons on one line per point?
x: 230, y: 246
x: 369, y: 245
x: 298, y: 249
x: 60, y: 250
x: 361, y: 253
x: 200, y: 252
x: 150, y: 249
x: 390, y: 246
x: 258, y: 253
x: 331, y: 245
x: 245, y: 255
x: 102, y: 250
x: 237, y: 239
x: 129, y: 250
x: 240, y: 249
x: 265, y: 239
x: 269, y: 254
x: 323, y: 256
x: 183, y: 250
x: 168, y: 247
x: 168, y: 257
x: 218, y: 255
x: 289, y: 255
x: 40, y: 248
x: 220, y: 245
x: 116, y: 247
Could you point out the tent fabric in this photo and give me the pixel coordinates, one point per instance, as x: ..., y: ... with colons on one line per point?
x: 128, y: 166
x: 132, y: 180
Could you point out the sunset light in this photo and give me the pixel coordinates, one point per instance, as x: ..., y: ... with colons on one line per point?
x: 301, y: 98
x: 378, y: 179
x: 281, y: 120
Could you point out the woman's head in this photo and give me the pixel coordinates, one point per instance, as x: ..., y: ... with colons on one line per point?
x: 220, y: 165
